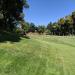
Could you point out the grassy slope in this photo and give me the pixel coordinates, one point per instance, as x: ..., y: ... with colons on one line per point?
x: 40, y: 55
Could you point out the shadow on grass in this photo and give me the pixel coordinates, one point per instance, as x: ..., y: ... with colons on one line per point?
x: 12, y: 37
x: 27, y: 37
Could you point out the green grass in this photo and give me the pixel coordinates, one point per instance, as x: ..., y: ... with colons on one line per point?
x: 40, y: 55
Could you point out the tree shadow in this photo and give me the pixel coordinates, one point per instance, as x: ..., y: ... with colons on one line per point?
x: 12, y: 37
x: 25, y: 36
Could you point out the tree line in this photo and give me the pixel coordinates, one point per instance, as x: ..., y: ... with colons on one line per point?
x: 64, y: 26
x: 12, y: 19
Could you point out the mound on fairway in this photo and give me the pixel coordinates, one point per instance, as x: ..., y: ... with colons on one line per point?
x: 39, y: 55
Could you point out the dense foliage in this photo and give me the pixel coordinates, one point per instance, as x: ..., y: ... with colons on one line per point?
x: 64, y: 26
x: 11, y: 11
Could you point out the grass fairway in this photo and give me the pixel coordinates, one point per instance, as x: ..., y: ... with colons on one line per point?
x: 40, y: 55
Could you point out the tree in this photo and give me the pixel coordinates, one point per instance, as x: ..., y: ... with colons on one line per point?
x: 73, y: 17
x: 55, y: 29
x: 62, y: 26
x: 32, y: 27
x: 69, y: 24
x: 12, y: 10
x: 49, y: 26
x: 41, y: 29
x: 1, y: 20
x: 26, y: 27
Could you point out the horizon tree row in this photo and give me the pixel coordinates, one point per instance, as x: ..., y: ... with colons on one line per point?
x: 64, y: 26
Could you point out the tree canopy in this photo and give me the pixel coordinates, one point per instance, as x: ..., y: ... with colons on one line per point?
x: 10, y: 12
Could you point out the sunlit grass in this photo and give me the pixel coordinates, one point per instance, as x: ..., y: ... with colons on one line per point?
x: 40, y: 55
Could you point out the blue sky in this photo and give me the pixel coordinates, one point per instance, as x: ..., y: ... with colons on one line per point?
x: 41, y: 12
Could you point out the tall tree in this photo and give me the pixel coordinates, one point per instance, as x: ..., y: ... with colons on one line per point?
x: 41, y: 29
x: 49, y: 25
x: 73, y: 17
x: 55, y: 29
x: 32, y: 27
x: 62, y: 26
x: 12, y: 10
x: 69, y: 24
x: 49, y: 28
